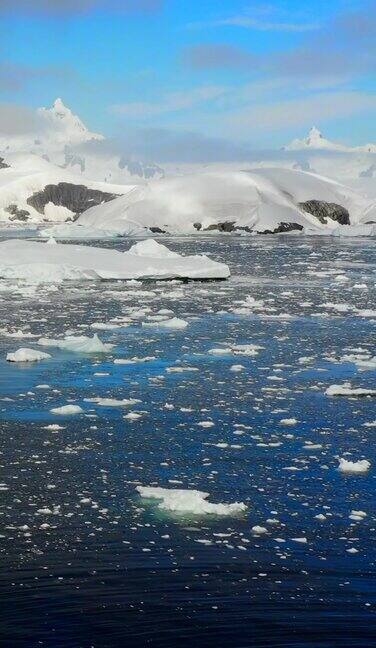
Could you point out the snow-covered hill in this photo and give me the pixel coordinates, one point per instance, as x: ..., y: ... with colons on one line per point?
x: 33, y: 190
x: 267, y: 200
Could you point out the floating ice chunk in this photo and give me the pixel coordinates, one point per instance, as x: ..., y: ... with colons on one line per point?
x: 237, y: 368
x: 80, y: 344
x: 151, y: 248
x: 347, y: 390
x: 174, y: 323
x: 134, y: 360
x: 354, y: 467
x: 219, y: 351
x: 367, y: 312
x: 106, y: 326
x: 40, y: 263
x: 133, y: 416
x: 17, y: 334
x: 67, y: 410
x: 181, y: 369
x: 113, y: 402
x: 27, y: 355
x: 288, y: 421
x: 189, y: 501
x: 363, y: 361
x: 237, y: 349
x: 359, y: 514
x: 259, y: 530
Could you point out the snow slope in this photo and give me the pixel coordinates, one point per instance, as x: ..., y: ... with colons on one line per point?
x: 28, y: 174
x: 43, y: 263
x: 256, y: 201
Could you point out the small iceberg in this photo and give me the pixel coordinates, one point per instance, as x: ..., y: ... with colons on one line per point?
x: 80, y: 344
x: 27, y: 355
x: 36, y: 262
x: 67, y: 410
x: 347, y: 390
x: 188, y: 501
x: 354, y: 467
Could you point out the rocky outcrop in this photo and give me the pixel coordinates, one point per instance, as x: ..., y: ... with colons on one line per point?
x: 17, y: 214
x: 283, y: 228
x: 146, y: 171
x: 3, y: 164
x: 221, y: 227
x: 368, y: 173
x: 323, y: 210
x: 157, y: 230
x: 76, y: 198
x: 229, y: 226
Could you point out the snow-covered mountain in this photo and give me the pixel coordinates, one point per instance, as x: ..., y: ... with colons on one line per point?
x: 63, y: 139
x: 262, y: 201
x: 316, y: 141
x: 67, y: 173
x: 56, y: 128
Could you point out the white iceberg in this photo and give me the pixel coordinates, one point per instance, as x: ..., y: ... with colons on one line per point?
x: 37, y: 262
x: 27, y: 355
x: 80, y: 344
x: 113, y: 402
x: 173, y: 323
x: 67, y: 410
x: 354, y: 467
x: 347, y: 390
x: 188, y: 501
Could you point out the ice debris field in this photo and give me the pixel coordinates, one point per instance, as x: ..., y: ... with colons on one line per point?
x: 204, y: 450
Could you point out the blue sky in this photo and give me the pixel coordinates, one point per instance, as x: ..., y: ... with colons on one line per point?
x: 253, y: 73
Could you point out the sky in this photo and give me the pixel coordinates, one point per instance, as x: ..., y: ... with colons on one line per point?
x: 169, y: 74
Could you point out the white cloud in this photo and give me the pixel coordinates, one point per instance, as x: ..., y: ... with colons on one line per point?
x: 172, y: 102
x: 77, y: 6
x: 263, y: 25
x: 297, y: 112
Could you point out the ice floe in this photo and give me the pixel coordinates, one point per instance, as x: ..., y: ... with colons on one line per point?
x: 354, y: 467
x: 80, y: 344
x: 188, y: 501
x: 67, y: 410
x: 37, y: 262
x: 27, y: 355
x: 347, y: 390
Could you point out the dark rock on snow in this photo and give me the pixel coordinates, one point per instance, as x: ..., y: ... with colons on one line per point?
x: 77, y: 198
x: 283, y: 227
x: 323, y: 210
x: 17, y: 214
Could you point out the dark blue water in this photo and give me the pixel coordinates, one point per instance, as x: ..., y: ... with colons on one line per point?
x: 107, y: 568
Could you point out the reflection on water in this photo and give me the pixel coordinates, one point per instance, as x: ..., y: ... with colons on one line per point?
x: 87, y: 562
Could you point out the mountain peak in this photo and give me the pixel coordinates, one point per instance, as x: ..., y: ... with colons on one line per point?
x: 315, y: 134
x: 314, y: 140
x: 65, y: 125
x: 59, y: 107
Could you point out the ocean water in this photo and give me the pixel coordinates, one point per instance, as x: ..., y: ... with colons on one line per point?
x: 85, y: 561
